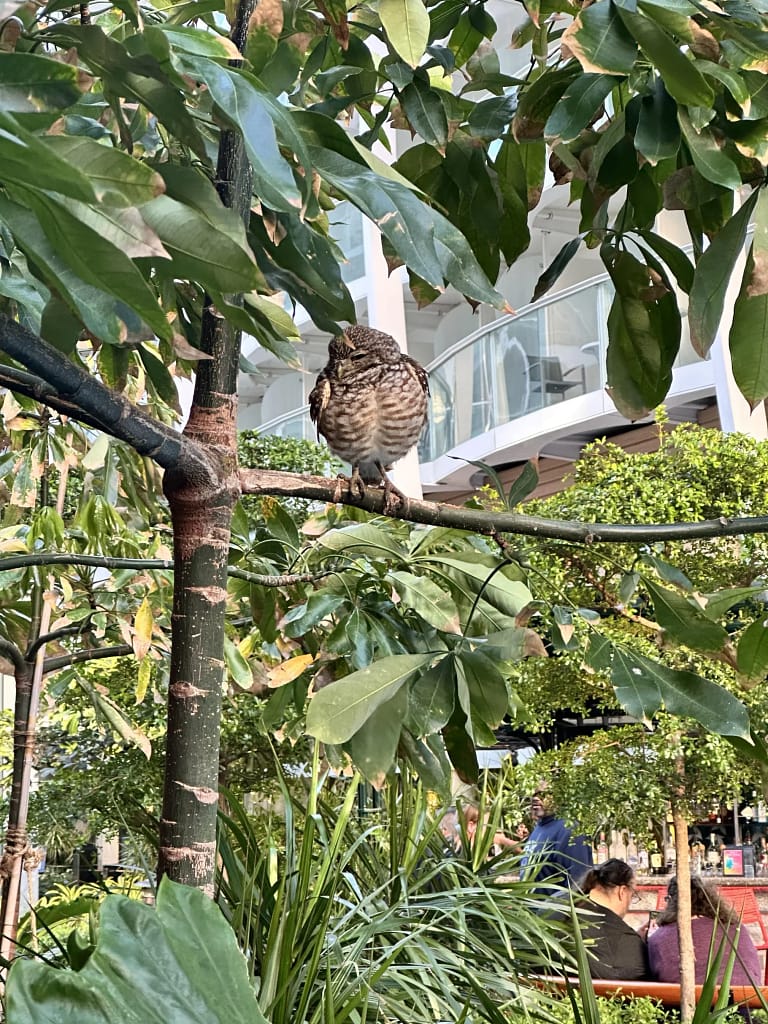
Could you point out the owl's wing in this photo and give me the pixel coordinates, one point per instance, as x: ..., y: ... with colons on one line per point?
x: 419, y: 373
x: 319, y: 397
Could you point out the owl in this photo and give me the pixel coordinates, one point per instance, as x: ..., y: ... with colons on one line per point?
x: 370, y: 405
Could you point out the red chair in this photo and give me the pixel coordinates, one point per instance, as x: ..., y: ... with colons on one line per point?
x: 744, y: 902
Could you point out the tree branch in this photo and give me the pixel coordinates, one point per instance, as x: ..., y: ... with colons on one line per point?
x: 71, y: 390
x: 317, y: 488
x: 57, y: 634
x: 65, y: 660
x: 14, y: 655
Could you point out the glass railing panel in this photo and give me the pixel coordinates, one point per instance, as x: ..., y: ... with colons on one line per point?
x: 295, y: 424
x: 347, y: 230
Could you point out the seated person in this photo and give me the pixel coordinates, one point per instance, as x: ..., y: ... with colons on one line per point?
x: 708, y: 912
x: 614, y: 948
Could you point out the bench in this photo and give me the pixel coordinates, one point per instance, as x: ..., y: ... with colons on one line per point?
x: 667, y: 993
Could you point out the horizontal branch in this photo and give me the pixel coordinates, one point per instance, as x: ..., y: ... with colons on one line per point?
x: 70, y: 389
x: 142, y: 564
x: 317, y: 488
x: 91, y: 654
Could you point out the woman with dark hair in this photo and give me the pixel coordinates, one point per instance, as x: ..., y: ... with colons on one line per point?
x: 615, y: 949
x: 708, y: 912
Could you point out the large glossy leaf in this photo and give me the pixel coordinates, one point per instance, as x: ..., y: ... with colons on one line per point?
x: 487, y: 689
x: 752, y: 652
x: 489, y: 118
x: 31, y: 82
x: 431, y: 698
x: 749, y: 328
x: 178, y: 963
x: 407, y: 25
x: 482, y: 577
x: 374, y: 745
x: 96, y: 309
x: 95, y: 259
x: 657, y: 135
x: 260, y: 118
x: 140, y: 78
x: 421, y: 236
x: 424, y: 109
x: 539, y: 99
x: 339, y: 710
x: 708, y: 158
x: 684, y: 620
x: 26, y: 160
x: 643, y: 332
x: 362, y: 539
x: 423, y: 596
x: 115, y: 176
x: 682, y: 79
x: 198, y: 252
x: 642, y: 685
x: 712, y: 276
x: 598, y: 40
x: 577, y: 106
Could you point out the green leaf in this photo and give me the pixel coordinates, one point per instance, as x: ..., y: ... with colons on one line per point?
x: 460, y: 748
x: 465, y: 39
x: 676, y: 259
x: 712, y: 276
x: 749, y: 328
x: 374, y: 745
x: 115, y: 718
x: 752, y: 652
x: 362, y: 539
x: 425, y: 240
x: 523, y: 486
x: 116, y: 177
x: 30, y: 82
x: 237, y: 666
x: 598, y: 40
x: 487, y: 689
x: 658, y: 133
x: 556, y: 267
x: 96, y: 310
x: 259, y: 117
x: 431, y: 698
x: 538, y: 100
x: 424, y: 109
x: 197, y: 41
x: 180, y: 961
x: 407, y: 25
x: 508, y: 595
x: 423, y: 596
x: 578, y: 105
x: 685, y: 620
x: 306, y: 616
x: 96, y: 259
x: 642, y: 685
x: 489, y: 118
x: 26, y: 160
x: 720, y: 602
x: 682, y: 79
x: 339, y: 710
x: 200, y: 253
x: 708, y: 159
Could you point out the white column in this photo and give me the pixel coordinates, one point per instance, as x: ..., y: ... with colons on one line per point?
x: 386, y: 312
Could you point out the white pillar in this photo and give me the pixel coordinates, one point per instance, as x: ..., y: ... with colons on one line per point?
x: 386, y: 312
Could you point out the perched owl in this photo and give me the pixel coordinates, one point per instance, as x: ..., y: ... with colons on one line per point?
x: 370, y: 405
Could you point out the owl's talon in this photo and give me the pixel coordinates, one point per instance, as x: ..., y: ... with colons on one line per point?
x: 394, y: 499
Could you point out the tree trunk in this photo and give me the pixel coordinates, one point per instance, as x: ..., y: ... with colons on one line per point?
x: 201, y: 510
x: 685, y: 936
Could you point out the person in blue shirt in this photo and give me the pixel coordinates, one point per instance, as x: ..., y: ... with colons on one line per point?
x: 553, y: 854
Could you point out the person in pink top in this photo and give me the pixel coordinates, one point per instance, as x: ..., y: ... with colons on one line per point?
x: 708, y: 912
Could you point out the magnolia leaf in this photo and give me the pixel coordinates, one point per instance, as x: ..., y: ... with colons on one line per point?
x: 431, y: 698
x: 598, y: 40
x: 143, y: 625
x: 114, y: 175
x: 752, y: 651
x: 712, y: 277
x: 143, y: 677
x: 374, y: 745
x: 750, y: 316
x: 685, y: 620
x: 339, y: 710
x: 407, y: 25
x: 289, y: 670
x: 115, y: 718
x: 427, y: 599
x: 237, y: 666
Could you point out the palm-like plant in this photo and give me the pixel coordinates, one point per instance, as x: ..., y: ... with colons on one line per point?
x: 355, y: 916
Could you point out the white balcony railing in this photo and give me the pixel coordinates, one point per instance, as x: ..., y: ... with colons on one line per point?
x: 546, y: 353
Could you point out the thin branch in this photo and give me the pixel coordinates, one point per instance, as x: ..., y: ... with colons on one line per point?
x: 65, y: 660
x: 57, y: 634
x: 13, y: 654
x: 316, y: 488
x: 107, y: 562
x: 86, y: 398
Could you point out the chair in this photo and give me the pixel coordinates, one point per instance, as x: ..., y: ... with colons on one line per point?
x: 547, y: 375
x: 744, y: 902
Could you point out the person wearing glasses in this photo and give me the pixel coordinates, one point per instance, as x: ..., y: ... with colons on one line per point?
x: 614, y: 948
x: 553, y: 854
